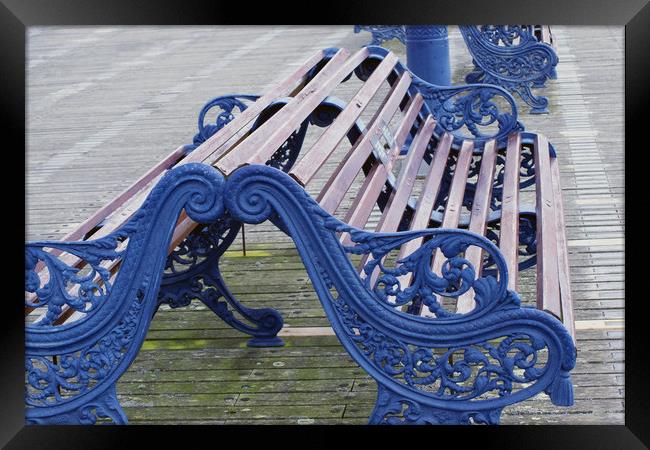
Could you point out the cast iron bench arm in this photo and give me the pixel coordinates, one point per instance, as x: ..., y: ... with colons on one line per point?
x: 398, y: 349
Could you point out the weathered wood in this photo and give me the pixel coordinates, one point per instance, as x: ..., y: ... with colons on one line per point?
x: 366, y: 198
x: 396, y: 205
x: 454, y: 205
x: 259, y: 147
x: 309, y: 164
x: 478, y: 218
x: 563, y: 254
x: 338, y: 184
x: 587, y: 134
x: 548, y: 288
x: 509, y: 233
x: 427, y: 199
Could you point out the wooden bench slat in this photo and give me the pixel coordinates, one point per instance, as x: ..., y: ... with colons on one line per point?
x: 396, y: 205
x: 548, y: 289
x: 454, y: 205
x: 509, y: 234
x: 392, y: 214
x: 262, y: 143
x: 312, y: 161
x: 340, y: 181
x: 478, y: 218
x: 363, y: 204
x: 563, y: 261
x: 427, y: 198
x: 212, y: 149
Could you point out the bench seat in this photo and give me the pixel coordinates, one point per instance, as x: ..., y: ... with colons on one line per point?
x: 426, y: 302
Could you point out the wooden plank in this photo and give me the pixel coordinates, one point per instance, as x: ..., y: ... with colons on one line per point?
x: 338, y: 184
x: 366, y: 198
x: 548, y: 288
x: 327, y: 142
x: 454, y: 205
x: 563, y: 253
x: 427, y: 198
x: 396, y: 205
x: 509, y: 234
x: 394, y: 210
x: 478, y: 219
x: 206, y: 151
x: 264, y: 141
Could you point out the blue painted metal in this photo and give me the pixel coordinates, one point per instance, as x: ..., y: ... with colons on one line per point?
x: 477, y: 363
x: 427, y: 53
x: 227, y: 104
x: 475, y: 112
x: 71, y: 369
x: 511, y: 56
x: 192, y: 269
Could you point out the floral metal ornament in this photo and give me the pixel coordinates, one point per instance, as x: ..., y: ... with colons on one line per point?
x: 511, y: 56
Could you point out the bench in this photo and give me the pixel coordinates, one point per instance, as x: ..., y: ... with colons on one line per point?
x: 426, y: 303
x: 516, y: 57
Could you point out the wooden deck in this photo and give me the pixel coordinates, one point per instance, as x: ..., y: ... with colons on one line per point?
x: 105, y: 104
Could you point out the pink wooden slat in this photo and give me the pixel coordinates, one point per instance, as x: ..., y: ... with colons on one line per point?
x: 212, y: 148
x: 366, y: 198
x: 197, y: 155
x: 394, y: 210
x: 478, y: 219
x: 428, y: 197
x: 392, y: 214
x: 454, y: 204
x: 341, y: 180
x: 264, y: 141
x: 548, y: 287
x: 327, y: 142
x: 563, y: 253
x: 426, y: 201
x: 509, y: 234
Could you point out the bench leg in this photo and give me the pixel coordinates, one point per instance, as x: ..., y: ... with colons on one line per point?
x: 192, y: 272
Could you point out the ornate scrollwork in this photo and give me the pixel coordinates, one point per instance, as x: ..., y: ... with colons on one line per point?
x: 511, y: 56
x: 457, y: 275
x: 474, y: 112
x: 227, y: 105
x: 394, y: 409
x: 508, y: 35
x: 495, y: 355
x: 71, y: 369
x: 74, y: 374
x: 65, y: 285
x: 192, y: 272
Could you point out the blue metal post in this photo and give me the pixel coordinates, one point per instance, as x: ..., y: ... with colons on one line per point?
x: 427, y: 53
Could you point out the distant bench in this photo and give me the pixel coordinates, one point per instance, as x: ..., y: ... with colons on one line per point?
x: 426, y: 303
x: 515, y: 57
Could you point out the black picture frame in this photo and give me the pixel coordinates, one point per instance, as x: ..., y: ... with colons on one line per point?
x: 16, y: 15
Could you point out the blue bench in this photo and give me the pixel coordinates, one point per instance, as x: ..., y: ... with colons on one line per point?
x: 426, y: 303
x: 515, y: 57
